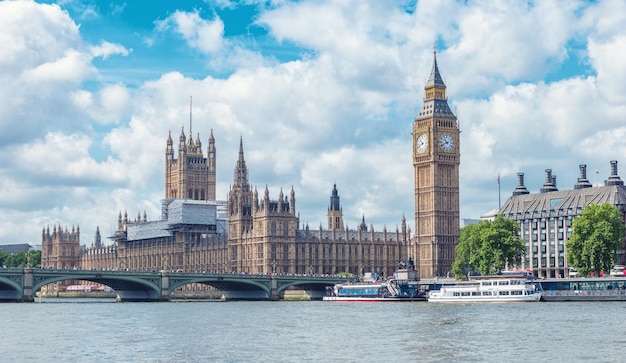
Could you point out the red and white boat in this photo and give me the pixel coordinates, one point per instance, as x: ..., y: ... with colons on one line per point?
x: 404, y: 287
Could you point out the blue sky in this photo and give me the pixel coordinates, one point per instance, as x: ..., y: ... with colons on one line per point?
x: 322, y: 92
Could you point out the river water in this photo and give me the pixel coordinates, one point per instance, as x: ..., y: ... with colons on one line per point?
x: 85, y: 330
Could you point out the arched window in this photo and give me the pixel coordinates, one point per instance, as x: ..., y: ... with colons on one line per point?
x: 202, y: 194
x: 190, y: 196
x: 195, y: 195
x: 285, y: 229
x: 273, y: 229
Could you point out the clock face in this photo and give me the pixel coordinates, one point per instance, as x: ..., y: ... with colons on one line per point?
x: 422, y: 143
x: 446, y: 142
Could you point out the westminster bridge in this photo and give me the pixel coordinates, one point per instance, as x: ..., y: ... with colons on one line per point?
x: 21, y: 284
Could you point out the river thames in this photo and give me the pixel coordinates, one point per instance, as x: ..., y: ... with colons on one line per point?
x: 84, y: 330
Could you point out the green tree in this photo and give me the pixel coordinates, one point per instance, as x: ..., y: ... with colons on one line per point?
x: 596, y: 237
x: 20, y: 259
x: 487, y: 247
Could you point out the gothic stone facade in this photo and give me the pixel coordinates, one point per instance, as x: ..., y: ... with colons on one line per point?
x: 255, y: 236
x: 260, y: 235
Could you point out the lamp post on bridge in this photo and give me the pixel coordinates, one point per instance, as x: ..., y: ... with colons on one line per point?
x: 273, y: 267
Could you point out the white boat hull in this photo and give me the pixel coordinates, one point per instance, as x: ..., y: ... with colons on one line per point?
x: 490, y: 289
x: 490, y: 299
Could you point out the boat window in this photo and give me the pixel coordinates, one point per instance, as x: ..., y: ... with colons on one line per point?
x: 486, y: 293
x: 505, y: 282
x: 359, y: 291
x: 475, y: 293
x: 487, y: 283
x: 504, y: 292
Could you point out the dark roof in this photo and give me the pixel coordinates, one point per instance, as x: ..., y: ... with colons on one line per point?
x: 562, y: 202
x: 15, y: 248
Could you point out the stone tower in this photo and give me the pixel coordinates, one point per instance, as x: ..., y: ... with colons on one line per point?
x: 240, y: 200
x: 436, y: 158
x: 261, y: 232
x: 60, y: 249
x: 191, y: 176
x: 335, y: 212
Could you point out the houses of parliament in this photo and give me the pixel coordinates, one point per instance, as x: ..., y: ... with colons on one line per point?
x: 253, y: 232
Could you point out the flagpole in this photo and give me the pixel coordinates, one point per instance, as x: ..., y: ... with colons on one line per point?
x: 499, y: 204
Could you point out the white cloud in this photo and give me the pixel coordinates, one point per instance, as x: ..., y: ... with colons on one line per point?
x: 106, y: 49
x: 340, y: 113
x: 32, y: 34
x: 110, y: 104
x: 608, y: 58
x: 72, y: 67
x: 203, y: 35
x: 66, y: 157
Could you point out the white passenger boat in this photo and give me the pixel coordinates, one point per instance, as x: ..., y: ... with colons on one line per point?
x: 490, y: 289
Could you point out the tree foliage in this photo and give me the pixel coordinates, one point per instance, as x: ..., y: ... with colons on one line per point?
x: 596, y: 237
x: 487, y: 247
x: 20, y: 259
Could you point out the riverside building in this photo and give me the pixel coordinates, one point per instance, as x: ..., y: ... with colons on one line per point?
x: 545, y: 218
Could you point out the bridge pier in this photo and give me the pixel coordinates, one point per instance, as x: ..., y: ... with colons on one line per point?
x: 27, y: 296
x: 274, y: 296
x: 165, y: 286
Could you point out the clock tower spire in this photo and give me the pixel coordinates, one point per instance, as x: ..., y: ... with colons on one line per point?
x: 436, y: 159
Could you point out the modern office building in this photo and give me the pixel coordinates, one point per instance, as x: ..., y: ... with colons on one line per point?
x: 545, y: 218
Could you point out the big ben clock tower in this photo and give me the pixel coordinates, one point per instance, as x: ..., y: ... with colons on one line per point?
x: 436, y: 158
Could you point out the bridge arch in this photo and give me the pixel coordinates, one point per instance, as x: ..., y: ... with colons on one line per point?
x: 314, y: 289
x: 235, y: 287
x: 10, y: 290
x: 146, y: 287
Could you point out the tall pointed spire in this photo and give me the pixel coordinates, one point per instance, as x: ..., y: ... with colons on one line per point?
x: 435, y: 77
x: 241, y: 171
x: 240, y: 148
x: 435, y: 95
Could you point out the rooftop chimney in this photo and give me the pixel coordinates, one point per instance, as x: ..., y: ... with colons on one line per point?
x: 614, y: 179
x: 548, y: 186
x: 520, y: 189
x: 582, y: 178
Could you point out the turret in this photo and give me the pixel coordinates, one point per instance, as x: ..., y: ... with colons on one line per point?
x: 211, y: 152
x: 169, y: 148
x: 181, y: 143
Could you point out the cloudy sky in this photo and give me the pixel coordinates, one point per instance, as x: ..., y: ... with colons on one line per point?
x: 322, y: 92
